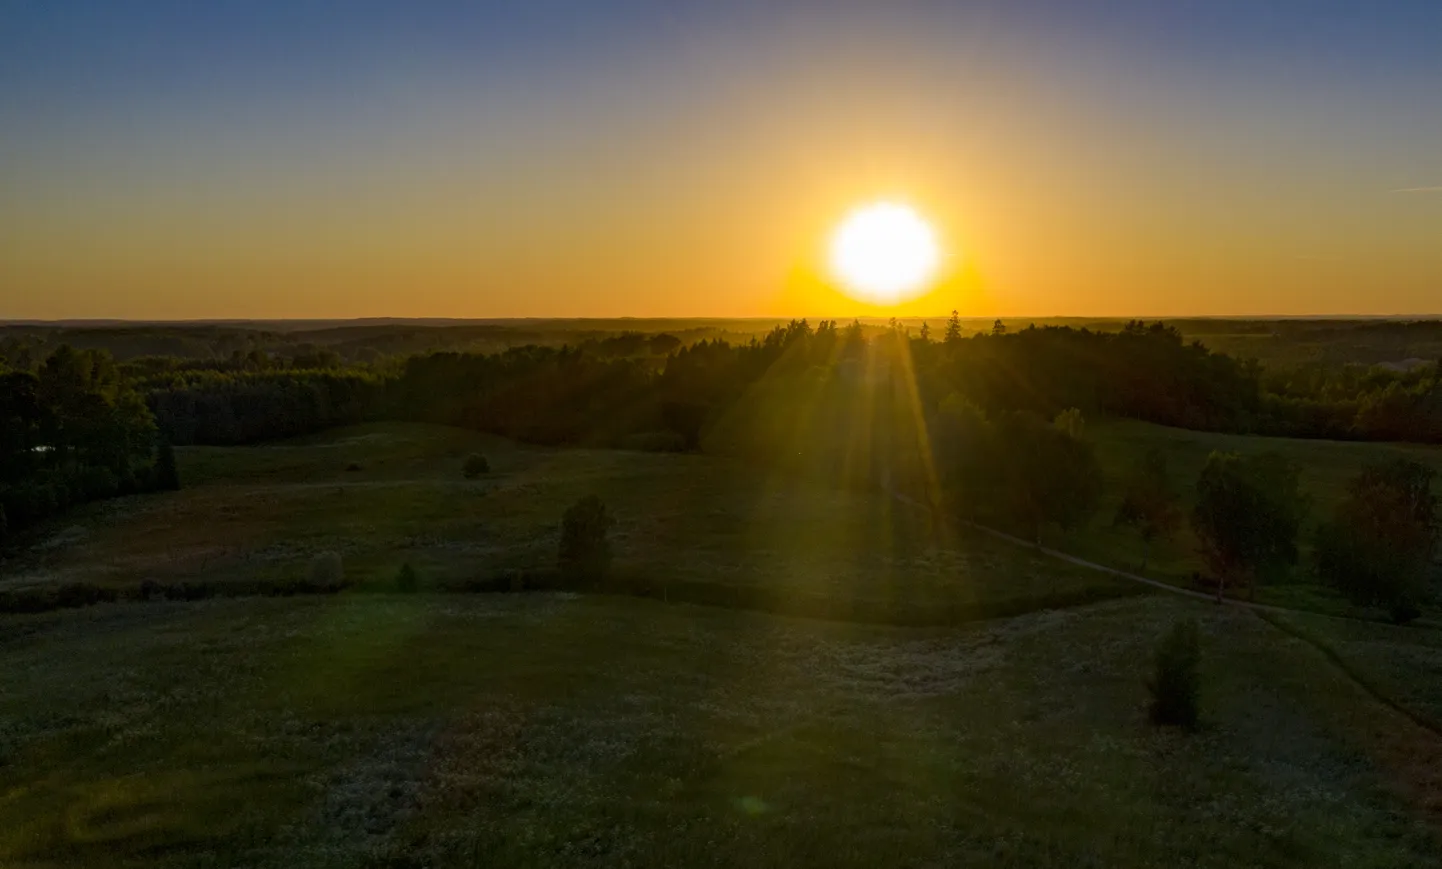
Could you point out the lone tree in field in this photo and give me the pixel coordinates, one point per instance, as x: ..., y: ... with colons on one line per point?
x: 1149, y: 505
x: 1247, y: 515
x: 475, y: 466
x: 1377, y: 550
x: 1176, y: 684
x: 406, y: 579
x: 167, y: 475
x: 585, y: 551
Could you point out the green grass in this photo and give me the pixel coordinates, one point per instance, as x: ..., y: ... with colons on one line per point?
x: 261, y: 514
x: 555, y: 729
x: 543, y: 730
x: 1327, y: 467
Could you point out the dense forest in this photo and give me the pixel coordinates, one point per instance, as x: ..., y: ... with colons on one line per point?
x: 866, y: 404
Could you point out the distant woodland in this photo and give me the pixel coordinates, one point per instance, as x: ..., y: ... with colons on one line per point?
x: 90, y: 411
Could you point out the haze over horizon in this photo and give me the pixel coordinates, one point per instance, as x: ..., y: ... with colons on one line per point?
x: 686, y: 159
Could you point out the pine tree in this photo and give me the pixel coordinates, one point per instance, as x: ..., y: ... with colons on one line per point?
x: 953, y: 329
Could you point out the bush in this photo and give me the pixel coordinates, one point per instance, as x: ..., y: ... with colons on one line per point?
x: 1176, y: 686
x: 167, y: 475
x: 406, y: 580
x: 326, y: 571
x: 585, y: 551
x: 475, y: 466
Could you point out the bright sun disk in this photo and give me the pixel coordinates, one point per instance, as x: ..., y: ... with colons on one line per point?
x: 885, y: 253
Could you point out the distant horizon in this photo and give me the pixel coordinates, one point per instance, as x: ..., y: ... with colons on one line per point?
x: 865, y: 318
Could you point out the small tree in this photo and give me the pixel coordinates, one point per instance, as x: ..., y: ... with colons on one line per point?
x: 1176, y: 684
x: 475, y: 466
x: 585, y: 550
x: 406, y: 579
x: 1149, y: 504
x: 1377, y: 550
x: 326, y: 570
x: 1247, y: 515
x: 167, y: 474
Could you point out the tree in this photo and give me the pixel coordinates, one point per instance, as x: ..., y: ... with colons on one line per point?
x: 953, y: 329
x: 1149, y: 505
x: 475, y: 466
x: 998, y: 327
x: 1247, y: 515
x: 585, y: 550
x: 167, y: 474
x: 1176, y: 684
x: 1051, y: 475
x: 1377, y: 550
x: 925, y: 332
x: 406, y: 579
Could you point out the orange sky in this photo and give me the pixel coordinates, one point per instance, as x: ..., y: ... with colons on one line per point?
x: 702, y: 178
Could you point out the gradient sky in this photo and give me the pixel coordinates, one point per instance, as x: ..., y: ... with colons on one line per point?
x: 239, y: 158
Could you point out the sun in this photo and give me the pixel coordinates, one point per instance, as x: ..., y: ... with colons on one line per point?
x: 885, y: 253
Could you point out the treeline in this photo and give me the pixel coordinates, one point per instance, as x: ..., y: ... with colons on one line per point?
x: 241, y: 407
x: 74, y: 430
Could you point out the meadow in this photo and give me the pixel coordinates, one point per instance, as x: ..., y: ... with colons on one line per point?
x: 385, y: 495
x: 381, y: 729
x: 552, y: 729
x: 1327, y: 467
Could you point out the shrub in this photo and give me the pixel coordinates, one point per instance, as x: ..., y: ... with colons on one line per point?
x: 326, y: 570
x: 1176, y: 685
x: 167, y: 475
x: 353, y: 467
x: 475, y: 466
x: 406, y: 579
x: 585, y: 551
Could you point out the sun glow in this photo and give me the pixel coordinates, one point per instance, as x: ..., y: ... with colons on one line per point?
x: 885, y: 253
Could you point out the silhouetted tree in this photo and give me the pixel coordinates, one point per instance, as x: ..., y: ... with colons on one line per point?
x: 1149, y: 505
x: 1247, y: 515
x: 1378, y: 548
x: 585, y: 549
x: 953, y: 329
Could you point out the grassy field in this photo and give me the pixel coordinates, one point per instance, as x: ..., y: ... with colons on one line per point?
x: 554, y: 730
x: 389, y: 730
x: 1327, y: 466
x: 263, y: 513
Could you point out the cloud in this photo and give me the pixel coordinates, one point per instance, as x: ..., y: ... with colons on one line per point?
x: 1437, y: 189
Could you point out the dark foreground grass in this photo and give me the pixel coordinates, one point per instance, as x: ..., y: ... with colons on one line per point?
x: 546, y: 730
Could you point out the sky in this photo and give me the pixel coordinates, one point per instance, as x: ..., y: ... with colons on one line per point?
x: 167, y: 159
